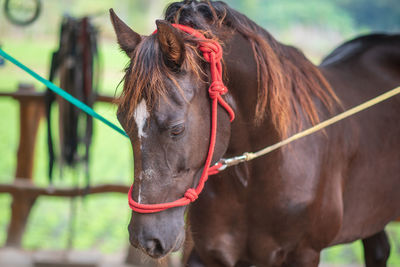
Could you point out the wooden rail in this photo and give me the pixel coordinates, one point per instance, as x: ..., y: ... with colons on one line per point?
x: 25, y: 92
x: 30, y: 190
x: 23, y: 191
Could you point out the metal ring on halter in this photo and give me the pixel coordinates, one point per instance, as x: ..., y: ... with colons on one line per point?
x: 231, y: 161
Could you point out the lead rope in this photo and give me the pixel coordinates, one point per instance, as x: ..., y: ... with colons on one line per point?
x: 212, y: 53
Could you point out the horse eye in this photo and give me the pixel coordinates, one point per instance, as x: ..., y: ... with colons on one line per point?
x: 177, y: 130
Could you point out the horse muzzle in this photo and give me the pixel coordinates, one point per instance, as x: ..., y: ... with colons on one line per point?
x: 156, y: 236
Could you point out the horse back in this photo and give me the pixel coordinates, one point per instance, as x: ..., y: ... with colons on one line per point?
x: 358, y: 71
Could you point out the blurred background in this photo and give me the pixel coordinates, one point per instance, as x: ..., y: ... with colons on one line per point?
x: 314, y: 26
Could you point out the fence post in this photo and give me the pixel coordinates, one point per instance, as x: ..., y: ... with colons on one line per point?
x: 31, y: 111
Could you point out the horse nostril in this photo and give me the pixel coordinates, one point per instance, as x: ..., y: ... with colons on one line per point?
x: 154, y: 248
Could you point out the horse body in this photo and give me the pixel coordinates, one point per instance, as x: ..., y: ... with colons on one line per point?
x: 335, y: 186
x: 323, y: 190
x: 372, y: 173
x: 330, y: 188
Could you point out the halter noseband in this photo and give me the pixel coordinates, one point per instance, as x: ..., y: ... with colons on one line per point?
x: 212, y: 53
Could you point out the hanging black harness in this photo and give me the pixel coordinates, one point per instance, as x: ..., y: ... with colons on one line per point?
x: 74, y: 64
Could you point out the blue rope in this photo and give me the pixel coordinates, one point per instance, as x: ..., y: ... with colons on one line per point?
x: 62, y: 93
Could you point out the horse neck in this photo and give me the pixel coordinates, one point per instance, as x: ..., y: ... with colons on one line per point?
x: 301, y: 85
x: 242, y: 82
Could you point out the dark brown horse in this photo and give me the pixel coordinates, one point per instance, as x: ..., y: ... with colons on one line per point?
x: 335, y: 186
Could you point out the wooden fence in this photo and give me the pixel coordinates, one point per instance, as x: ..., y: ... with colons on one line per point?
x: 23, y: 190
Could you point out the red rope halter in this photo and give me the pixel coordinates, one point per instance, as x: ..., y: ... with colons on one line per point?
x: 212, y: 53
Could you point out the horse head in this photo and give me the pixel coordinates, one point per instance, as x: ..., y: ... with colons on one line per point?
x: 165, y: 110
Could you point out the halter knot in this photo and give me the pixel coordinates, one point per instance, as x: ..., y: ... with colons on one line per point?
x: 191, y: 194
x: 216, y: 89
x: 211, y: 48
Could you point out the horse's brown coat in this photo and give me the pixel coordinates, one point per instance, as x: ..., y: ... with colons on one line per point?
x: 332, y: 187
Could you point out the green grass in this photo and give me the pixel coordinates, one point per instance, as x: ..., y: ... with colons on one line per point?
x: 101, y: 220
x: 353, y: 253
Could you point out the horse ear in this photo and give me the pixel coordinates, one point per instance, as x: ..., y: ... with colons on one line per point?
x: 171, y: 43
x: 127, y: 38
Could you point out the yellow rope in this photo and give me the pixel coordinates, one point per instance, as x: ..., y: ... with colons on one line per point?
x: 322, y: 125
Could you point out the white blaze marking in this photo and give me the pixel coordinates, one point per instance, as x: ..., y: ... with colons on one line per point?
x: 140, y: 190
x: 140, y: 115
x: 145, y: 175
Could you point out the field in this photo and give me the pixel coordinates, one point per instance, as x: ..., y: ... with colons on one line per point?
x: 101, y: 220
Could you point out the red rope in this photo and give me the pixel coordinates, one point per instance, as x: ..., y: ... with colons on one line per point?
x: 212, y: 53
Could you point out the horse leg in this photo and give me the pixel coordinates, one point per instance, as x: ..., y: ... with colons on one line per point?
x: 302, y: 257
x: 243, y: 264
x: 194, y: 260
x: 376, y: 250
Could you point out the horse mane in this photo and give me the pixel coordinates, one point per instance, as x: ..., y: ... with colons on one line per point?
x: 288, y: 84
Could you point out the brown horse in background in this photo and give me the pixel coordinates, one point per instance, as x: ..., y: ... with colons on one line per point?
x: 333, y: 187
